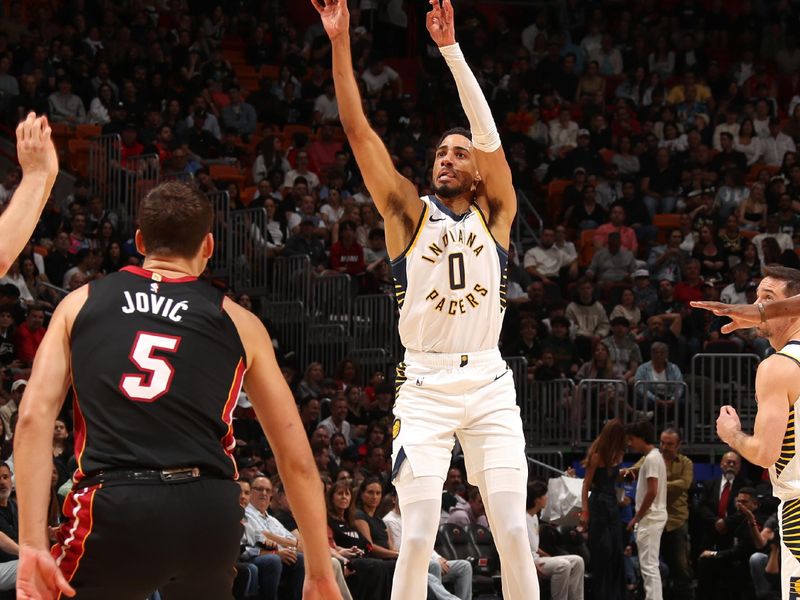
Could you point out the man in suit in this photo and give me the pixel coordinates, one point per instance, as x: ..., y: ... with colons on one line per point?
x: 718, y: 504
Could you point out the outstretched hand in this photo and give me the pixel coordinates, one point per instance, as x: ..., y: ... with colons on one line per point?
x: 335, y: 16
x: 38, y: 576
x: 440, y: 23
x: 36, y: 152
x: 742, y: 316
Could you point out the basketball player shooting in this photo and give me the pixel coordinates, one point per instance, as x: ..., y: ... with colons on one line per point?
x: 774, y: 441
x: 39, y: 162
x: 449, y: 265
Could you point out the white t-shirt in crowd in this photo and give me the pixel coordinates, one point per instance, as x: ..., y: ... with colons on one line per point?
x: 653, y: 466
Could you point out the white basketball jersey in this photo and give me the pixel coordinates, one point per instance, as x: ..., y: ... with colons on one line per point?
x: 785, y: 473
x: 450, y: 283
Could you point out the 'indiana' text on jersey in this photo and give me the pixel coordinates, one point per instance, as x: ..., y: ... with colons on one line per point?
x: 450, y: 283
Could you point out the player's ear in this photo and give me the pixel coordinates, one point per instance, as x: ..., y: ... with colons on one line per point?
x: 139, y: 240
x: 476, y: 181
x: 208, y: 246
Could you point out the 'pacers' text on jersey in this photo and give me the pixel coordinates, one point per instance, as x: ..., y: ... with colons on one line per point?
x: 450, y: 283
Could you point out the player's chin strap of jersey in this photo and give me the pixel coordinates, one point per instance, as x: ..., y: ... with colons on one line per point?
x: 481, y: 122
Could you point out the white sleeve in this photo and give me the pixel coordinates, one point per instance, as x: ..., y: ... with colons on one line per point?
x: 481, y: 123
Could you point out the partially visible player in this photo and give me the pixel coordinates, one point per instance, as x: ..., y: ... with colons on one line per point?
x: 774, y: 441
x: 37, y: 156
x: 156, y: 358
x: 449, y: 254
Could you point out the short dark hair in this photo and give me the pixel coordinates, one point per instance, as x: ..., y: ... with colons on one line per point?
x: 347, y: 225
x: 791, y: 277
x: 174, y: 218
x: 672, y: 431
x: 643, y: 430
x: 750, y: 491
x: 620, y: 321
x: 455, y: 131
x: 536, y: 489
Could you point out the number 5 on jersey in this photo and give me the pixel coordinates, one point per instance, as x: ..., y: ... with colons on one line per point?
x: 158, y: 372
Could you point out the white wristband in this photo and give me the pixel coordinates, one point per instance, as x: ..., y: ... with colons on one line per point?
x: 481, y: 122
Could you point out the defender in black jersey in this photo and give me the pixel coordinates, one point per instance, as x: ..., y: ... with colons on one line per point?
x: 156, y: 359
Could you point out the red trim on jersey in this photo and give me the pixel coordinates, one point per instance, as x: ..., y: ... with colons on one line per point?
x: 228, y: 441
x: 72, y: 535
x: 80, y: 435
x: 149, y: 275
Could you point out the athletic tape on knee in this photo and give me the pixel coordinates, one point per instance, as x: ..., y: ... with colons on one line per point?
x: 481, y: 123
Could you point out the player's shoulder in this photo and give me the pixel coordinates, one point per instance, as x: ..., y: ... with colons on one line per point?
x: 251, y: 330
x: 69, y: 308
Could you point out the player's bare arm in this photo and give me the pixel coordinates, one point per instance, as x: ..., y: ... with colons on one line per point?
x: 495, y: 191
x: 38, y: 576
x: 395, y: 196
x: 744, y: 316
x: 277, y: 413
x: 37, y: 157
x: 777, y: 386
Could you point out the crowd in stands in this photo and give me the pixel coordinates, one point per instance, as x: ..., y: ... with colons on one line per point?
x: 656, y: 141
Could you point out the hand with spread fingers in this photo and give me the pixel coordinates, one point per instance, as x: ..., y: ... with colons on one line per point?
x: 440, y: 23
x: 38, y: 576
x: 35, y: 150
x: 742, y: 316
x: 335, y: 16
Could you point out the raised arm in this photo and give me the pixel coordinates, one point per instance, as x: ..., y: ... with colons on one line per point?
x: 744, y: 316
x: 277, y: 413
x: 37, y: 157
x: 395, y: 196
x: 33, y: 442
x: 496, y: 193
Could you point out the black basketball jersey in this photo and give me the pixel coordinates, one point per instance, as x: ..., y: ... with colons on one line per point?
x: 157, y: 366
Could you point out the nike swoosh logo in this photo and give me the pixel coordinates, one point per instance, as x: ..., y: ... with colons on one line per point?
x: 434, y: 220
x: 499, y: 376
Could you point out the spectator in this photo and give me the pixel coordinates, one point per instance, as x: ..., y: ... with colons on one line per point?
x: 9, y: 531
x: 748, y: 143
x: 617, y: 225
x: 589, y: 316
x: 29, y: 335
x: 691, y: 286
x: 625, y: 159
x: 326, y: 108
x: 305, y: 243
x: 660, y: 373
x: 784, y: 240
x: 722, y: 573
x: 600, y: 512
x: 612, y: 264
x: 239, y: 115
x: 347, y: 255
x: 440, y: 571
x: 651, y: 505
x: 622, y: 347
x: 322, y: 151
x: 776, y: 144
x: 101, y: 106
x: 563, y: 134
x: 371, y: 527
x: 377, y: 75
x: 301, y: 170
x: 658, y: 184
x: 64, y: 106
x: 337, y: 422
x: 717, y: 503
x: 546, y: 260
x: 262, y: 528
x: 736, y: 292
x: 565, y: 571
x: 10, y: 408
x: 586, y: 213
x: 471, y: 513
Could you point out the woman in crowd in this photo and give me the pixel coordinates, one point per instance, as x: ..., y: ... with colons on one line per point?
x: 369, y: 523
x: 709, y: 252
x: 101, y: 106
x: 750, y: 259
x: 62, y: 451
x: 113, y: 260
x: 591, y: 85
x: 346, y: 374
x: 600, y: 513
x: 270, y: 157
x: 371, y: 577
x: 627, y: 308
x: 35, y: 283
x: 662, y: 59
x: 752, y: 211
x: 747, y: 142
x: 310, y: 384
x: 626, y: 161
x: 106, y: 233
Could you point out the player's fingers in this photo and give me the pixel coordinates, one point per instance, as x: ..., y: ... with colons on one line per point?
x: 318, y: 5
x: 63, y: 584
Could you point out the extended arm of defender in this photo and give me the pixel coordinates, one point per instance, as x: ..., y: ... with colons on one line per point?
x: 392, y: 193
x: 33, y: 440
x: 773, y: 380
x: 277, y: 413
x: 39, y: 162
x: 491, y: 160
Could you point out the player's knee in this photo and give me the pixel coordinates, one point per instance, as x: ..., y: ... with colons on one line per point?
x: 512, y: 534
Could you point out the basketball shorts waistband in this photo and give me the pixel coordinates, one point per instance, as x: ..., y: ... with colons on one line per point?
x: 438, y: 360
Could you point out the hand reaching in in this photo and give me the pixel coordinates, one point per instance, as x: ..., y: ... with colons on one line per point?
x: 38, y: 576
x: 742, y: 316
x: 440, y: 23
x: 35, y: 150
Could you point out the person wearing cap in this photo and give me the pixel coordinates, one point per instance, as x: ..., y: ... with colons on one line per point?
x: 776, y: 144
x: 584, y: 155
x: 12, y: 406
